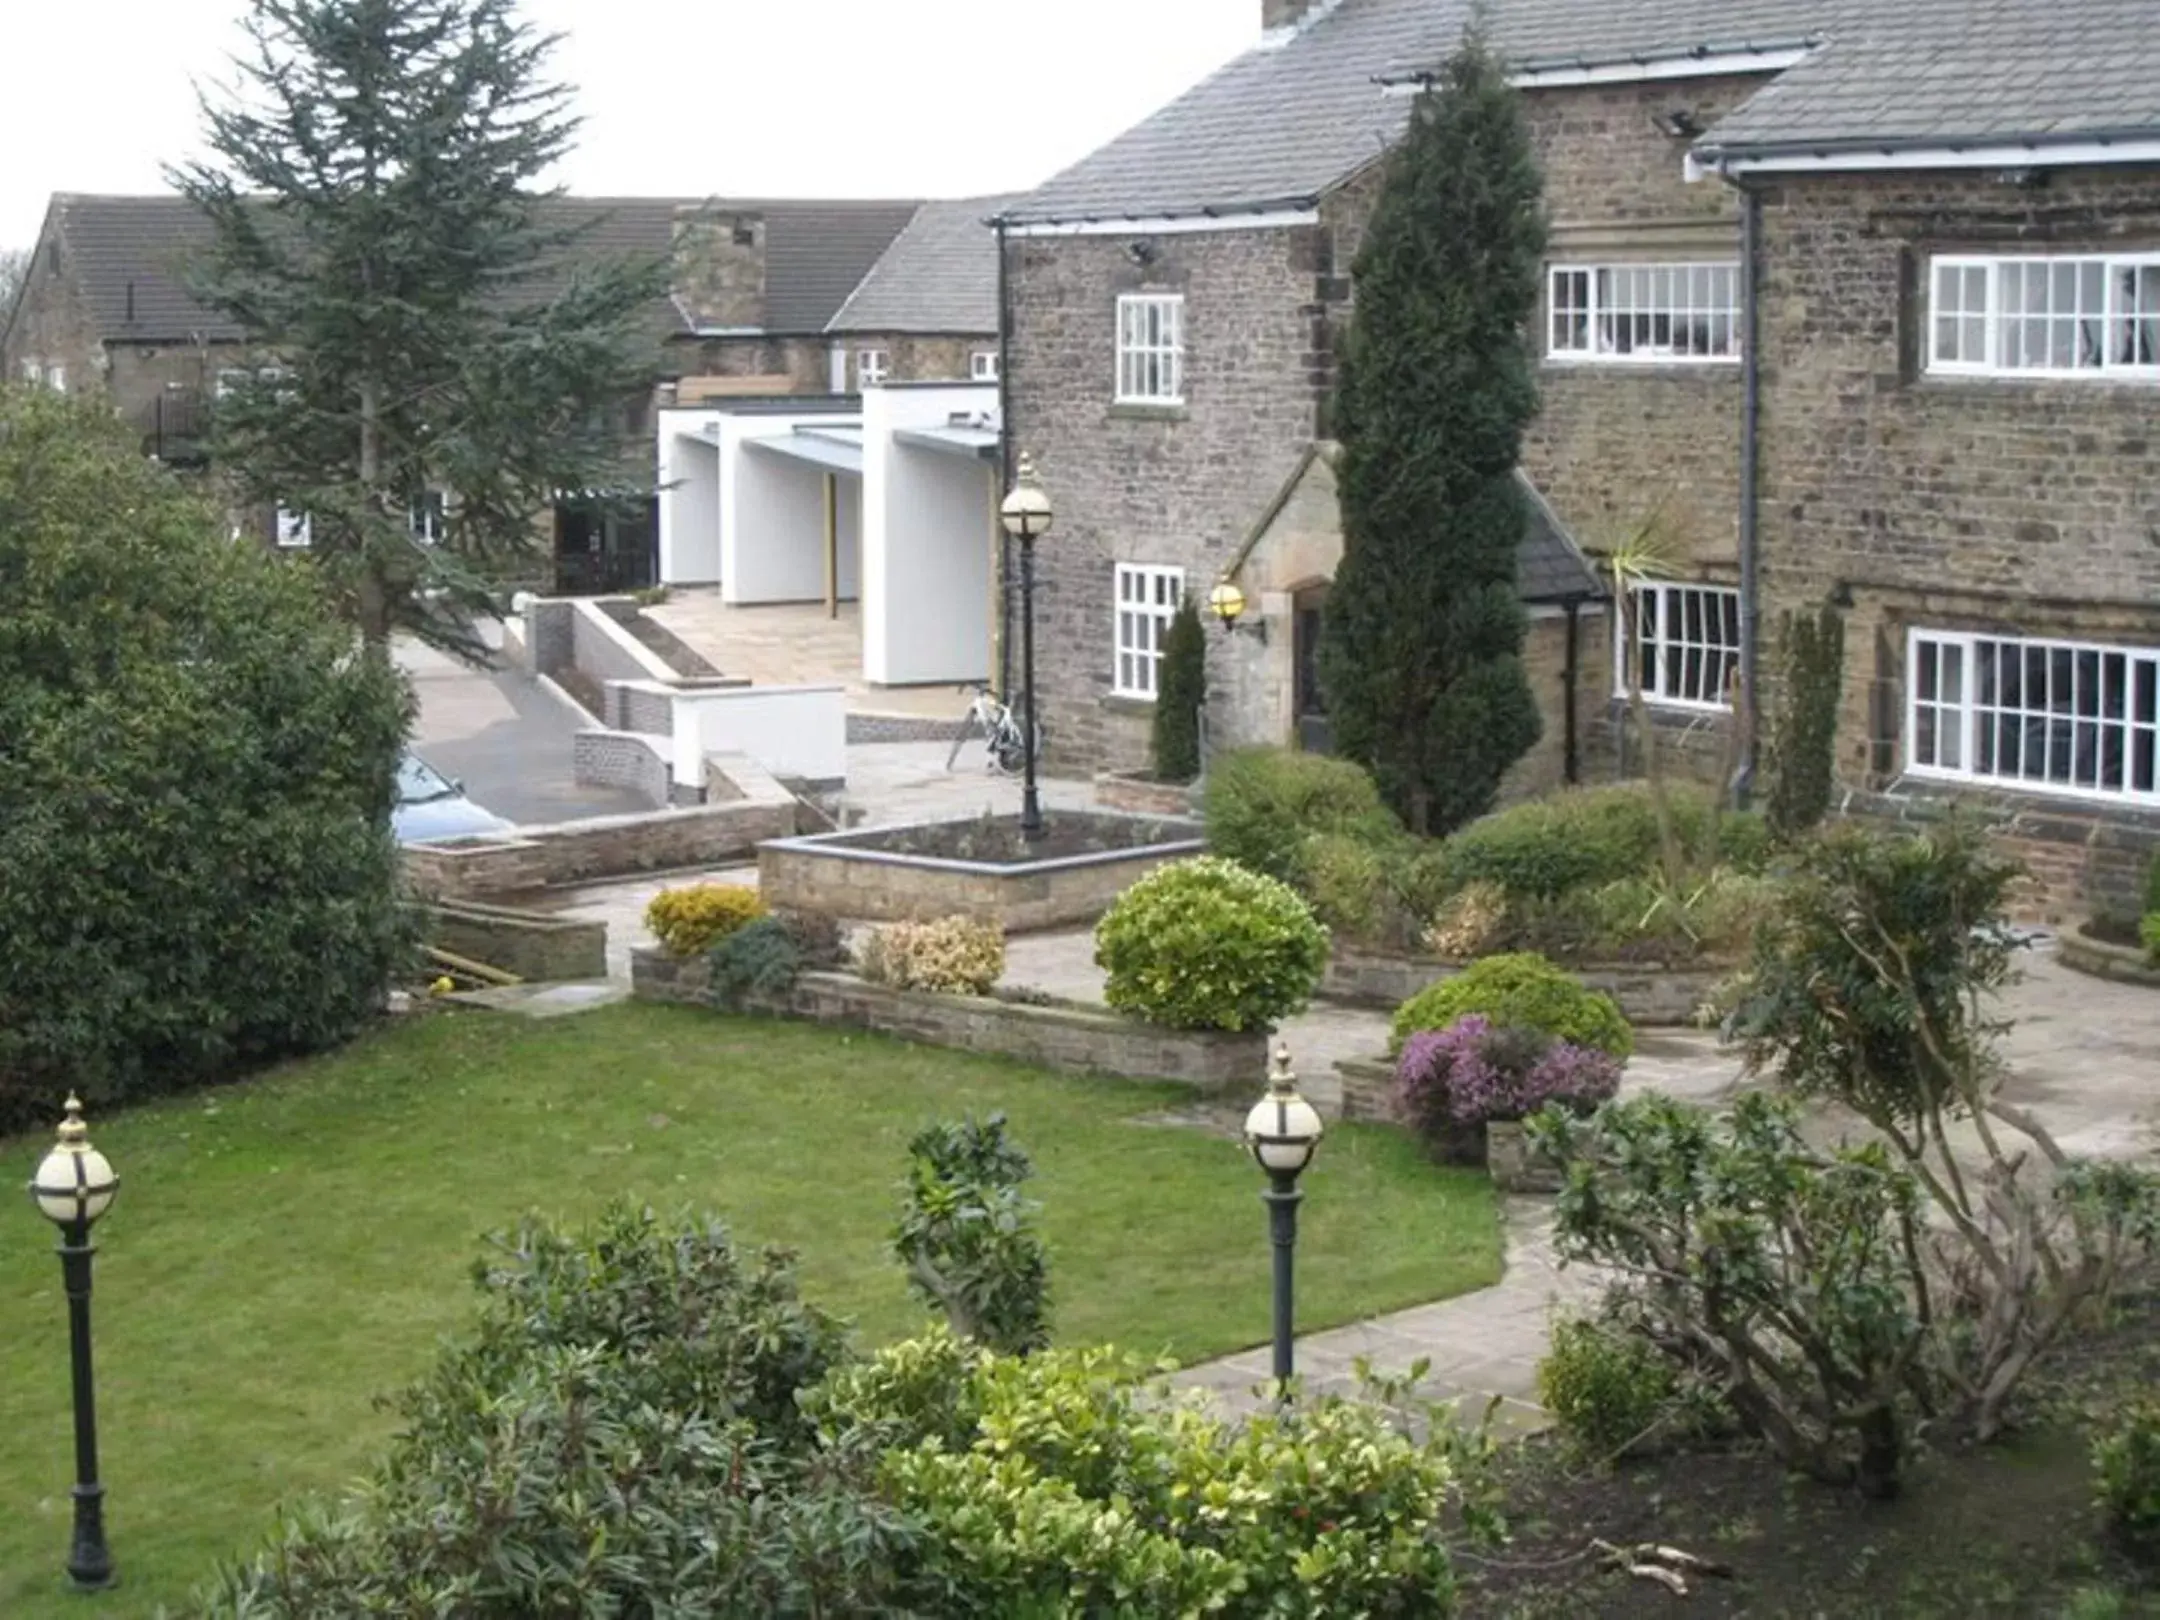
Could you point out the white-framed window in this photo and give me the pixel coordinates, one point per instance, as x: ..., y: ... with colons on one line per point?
x: 1147, y: 600
x: 425, y: 517
x: 33, y: 370
x: 1688, y: 651
x: 2064, y: 315
x: 983, y: 365
x: 1644, y: 314
x: 56, y: 378
x: 871, y: 367
x: 2076, y: 718
x: 1151, y: 349
x: 295, y: 530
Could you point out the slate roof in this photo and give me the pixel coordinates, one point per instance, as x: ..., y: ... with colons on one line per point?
x: 1549, y: 566
x: 1933, y: 73
x: 1287, y: 122
x: 939, y: 275
x: 815, y: 255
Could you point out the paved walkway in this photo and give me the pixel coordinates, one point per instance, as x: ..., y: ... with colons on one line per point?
x: 796, y: 644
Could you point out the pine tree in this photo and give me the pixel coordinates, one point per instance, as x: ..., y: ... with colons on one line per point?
x: 1421, y: 654
x: 426, y: 315
x: 1180, y: 691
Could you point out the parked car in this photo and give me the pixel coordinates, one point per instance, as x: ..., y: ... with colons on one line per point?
x: 430, y: 806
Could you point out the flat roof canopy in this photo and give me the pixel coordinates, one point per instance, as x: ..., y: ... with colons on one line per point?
x: 975, y: 443
x: 829, y: 449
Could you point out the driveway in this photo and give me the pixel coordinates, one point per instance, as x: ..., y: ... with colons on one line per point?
x: 506, y: 738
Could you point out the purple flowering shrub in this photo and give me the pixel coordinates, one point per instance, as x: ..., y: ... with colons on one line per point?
x: 1473, y: 1073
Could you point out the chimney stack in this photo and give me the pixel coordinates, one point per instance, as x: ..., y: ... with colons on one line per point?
x: 719, y: 268
x: 1280, y: 14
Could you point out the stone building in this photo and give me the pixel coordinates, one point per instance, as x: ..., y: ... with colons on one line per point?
x: 756, y: 287
x: 1942, y: 221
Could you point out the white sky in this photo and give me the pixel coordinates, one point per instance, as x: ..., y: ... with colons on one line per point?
x: 773, y: 98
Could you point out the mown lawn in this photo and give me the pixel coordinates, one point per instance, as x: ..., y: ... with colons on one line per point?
x: 285, y: 1250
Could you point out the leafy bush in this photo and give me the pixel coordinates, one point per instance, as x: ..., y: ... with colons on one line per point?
x: 1520, y: 990
x: 1588, y: 837
x: 968, y: 1239
x: 1610, y: 1392
x: 761, y: 959
x: 1181, y: 688
x: 1789, y: 1275
x: 954, y: 956
x: 1347, y: 882
x: 1264, y: 806
x: 1470, y: 923
x: 2149, y: 936
x: 2152, y: 883
x: 1070, y: 1483
x: 2126, y: 1474
x: 691, y: 920
x: 1474, y: 1072
x: 621, y: 1435
x: 1715, y: 915
x: 197, y: 873
x: 1207, y: 944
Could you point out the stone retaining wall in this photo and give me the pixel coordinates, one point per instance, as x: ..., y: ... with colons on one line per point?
x: 1074, y: 1040
x: 1368, y: 1090
x: 1649, y: 995
x: 623, y: 759
x: 2104, y: 959
x: 535, y: 945
x: 605, y: 846
x: 1138, y: 795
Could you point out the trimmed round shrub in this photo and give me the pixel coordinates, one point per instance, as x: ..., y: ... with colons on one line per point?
x: 1521, y: 990
x: 690, y: 921
x: 197, y: 768
x: 1207, y: 944
x: 953, y: 956
x: 1264, y: 807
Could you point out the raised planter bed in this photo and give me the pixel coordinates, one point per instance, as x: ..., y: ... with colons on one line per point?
x: 537, y: 946
x: 1138, y: 794
x: 1063, y: 1036
x: 1650, y: 994
x: 2091, y: 951
x: 978, y: 869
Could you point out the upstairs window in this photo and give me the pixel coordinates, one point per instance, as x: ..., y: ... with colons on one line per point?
x: 871, y: 367
x: 983, y: 365
x: 1689, y: 646
x: 1644, y: 314
x: 1147, y: 600
x: 294, y: 531
x: 2062, y: 717
x: 1151, y: 349
x: 2059, y: 316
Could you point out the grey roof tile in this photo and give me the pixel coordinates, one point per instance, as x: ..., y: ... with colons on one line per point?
x: 939, y: 275
x: 131, y: 254
x: 1549, y: 565
x: 1952, y: 72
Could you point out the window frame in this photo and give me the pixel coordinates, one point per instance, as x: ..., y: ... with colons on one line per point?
x: 1969, y: 710
x: 1148, y: 607
x: 1597, y: 304
x: 1994, y: 318
x: 1133, y: 352
x: 292, y: 531
x: 872, y: 367
x: 1624, y: 661
x: 983, y: 366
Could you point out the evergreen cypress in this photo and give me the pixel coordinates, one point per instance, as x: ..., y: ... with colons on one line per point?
x: 427, y: 319
x: 1180, y: 690
x: 1421, y: 653
x: 1803, y: 745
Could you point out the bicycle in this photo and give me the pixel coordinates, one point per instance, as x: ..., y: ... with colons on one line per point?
x: 998, y: 725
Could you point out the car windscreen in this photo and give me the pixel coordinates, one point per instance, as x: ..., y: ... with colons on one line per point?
x: 418, y: 782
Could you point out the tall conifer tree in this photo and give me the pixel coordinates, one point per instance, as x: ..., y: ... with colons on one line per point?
x: 425, y: 314
x: 1421, y: 654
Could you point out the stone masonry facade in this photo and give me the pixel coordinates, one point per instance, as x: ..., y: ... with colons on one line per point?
x: 1264, y: 309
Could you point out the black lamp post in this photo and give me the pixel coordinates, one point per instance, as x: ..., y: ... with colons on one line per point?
x: 1027, y: 517
x: 73, y: 1187
x: 1283, y: 1130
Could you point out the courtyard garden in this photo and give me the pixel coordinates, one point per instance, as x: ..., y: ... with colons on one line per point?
x: 287, y: 1250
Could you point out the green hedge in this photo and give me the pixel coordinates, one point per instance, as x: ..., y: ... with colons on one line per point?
x: 1265, y: 806
x: 1590, y: 837
x: 1520, y: 990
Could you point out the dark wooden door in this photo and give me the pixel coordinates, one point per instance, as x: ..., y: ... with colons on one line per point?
x: 1308, y: 613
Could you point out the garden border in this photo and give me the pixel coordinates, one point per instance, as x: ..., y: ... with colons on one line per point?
x: 1063, y: 1036
x: 1650, y: 995
x: 2104, y: 959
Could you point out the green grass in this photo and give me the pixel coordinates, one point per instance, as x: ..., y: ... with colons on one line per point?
x: 285, y: 1250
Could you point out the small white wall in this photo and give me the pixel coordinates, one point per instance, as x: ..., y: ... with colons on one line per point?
x: 927, y: 522
x: 851, y: 537
x: 689, y: 483
x: 772, y: 513
x: 789, y: 730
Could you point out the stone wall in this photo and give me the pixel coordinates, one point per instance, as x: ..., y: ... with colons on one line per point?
x: 1961, y: 503
x: 536, y: 946
x: 1650, y: 995
x: 825, y: 876
x: 623, y: 759
x: 802, y: 361
x: 52, y: 324
x: 919, y: 356
x: 604, y: 846
x: 1071, y: 1039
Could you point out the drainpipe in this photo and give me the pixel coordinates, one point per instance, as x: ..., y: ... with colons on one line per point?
x: 1743, y: 782
x: 1003, y: 672
x: 1570, y: 674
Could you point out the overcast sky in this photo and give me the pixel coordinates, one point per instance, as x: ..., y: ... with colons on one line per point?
x: 773, y: 98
